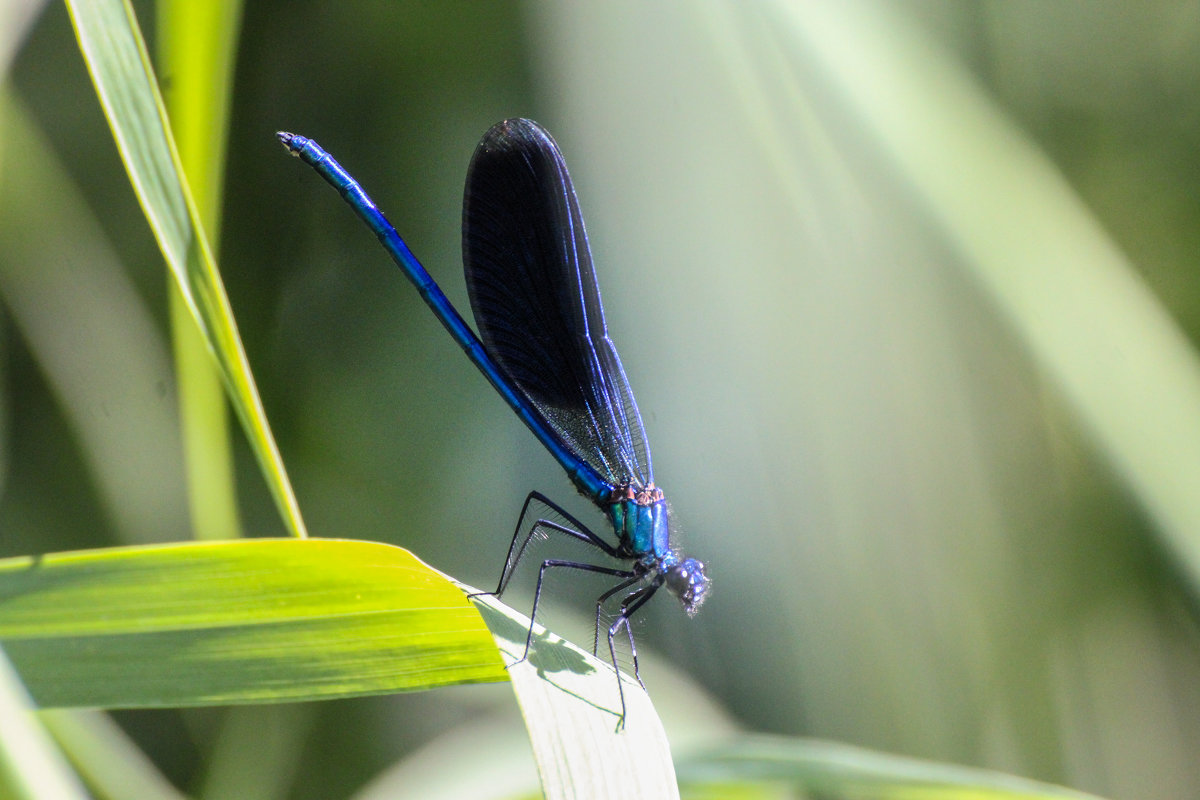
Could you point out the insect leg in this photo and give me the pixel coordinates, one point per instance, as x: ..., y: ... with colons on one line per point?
x: 629, y: 607
x: 516, y: 548
x: 537, y: 592
x: 620, y: 587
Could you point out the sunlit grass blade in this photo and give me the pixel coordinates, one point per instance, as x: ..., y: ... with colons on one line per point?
x: 196, y: 47
x: 569, y: 700
x: 120, y: 68
x: 830, y: 769
x: 272, y: 620
x: 1060, y: 280
x: 235, y: 622
x: 30, y: 765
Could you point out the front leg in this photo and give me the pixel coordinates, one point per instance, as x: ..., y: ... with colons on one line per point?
x: 519, y: 542
x: 620, y: 587
x: 537, y: 592
x: 629, y: 607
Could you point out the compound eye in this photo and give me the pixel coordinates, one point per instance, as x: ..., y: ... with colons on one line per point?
x: 687, y: 581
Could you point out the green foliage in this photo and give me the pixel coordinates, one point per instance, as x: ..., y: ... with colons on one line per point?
x: 237, y: 622
x: 120, y: 68
x: 829, y: 769
x: 908, y: 297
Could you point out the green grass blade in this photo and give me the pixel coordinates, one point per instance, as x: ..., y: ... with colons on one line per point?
x: 236, y: 622
x: 106, y: 757
x: 196, y: 43
x: 116, y: 58
x: 244, y: 763
x: 830, y: 769
x: 30, y: 765
x: 283, y: 620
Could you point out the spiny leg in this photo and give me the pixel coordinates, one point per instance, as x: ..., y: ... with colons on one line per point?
x: 516, y: 548
x: 612, y: 653
x: 620, y: 587
x: 629, y: 607
x: 537, y: 592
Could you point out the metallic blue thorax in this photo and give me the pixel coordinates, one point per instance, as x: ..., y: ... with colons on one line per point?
x: 642, y: 523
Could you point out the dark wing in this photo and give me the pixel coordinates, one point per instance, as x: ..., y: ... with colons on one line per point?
x: 536, y: 302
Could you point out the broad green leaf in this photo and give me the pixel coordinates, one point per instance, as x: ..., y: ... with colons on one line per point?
x: 268, y: 620
x: 116, y: 58
x: 571, y: 708
x: 236, y: 622
x: 833, y: 770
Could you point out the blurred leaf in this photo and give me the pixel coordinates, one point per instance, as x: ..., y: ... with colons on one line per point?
x: 257, y: 751
x: 93, y: 337
x: 120, y: 69
x: 1065, y: 287
x: 15, y: 21
x: 30, y: 765
x: 832, y: 770
x: 501, y: 764
x: 105, y: 755
x: 236, y: 622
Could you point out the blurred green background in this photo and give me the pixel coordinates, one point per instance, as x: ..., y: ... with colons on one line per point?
x: 907, y: 293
